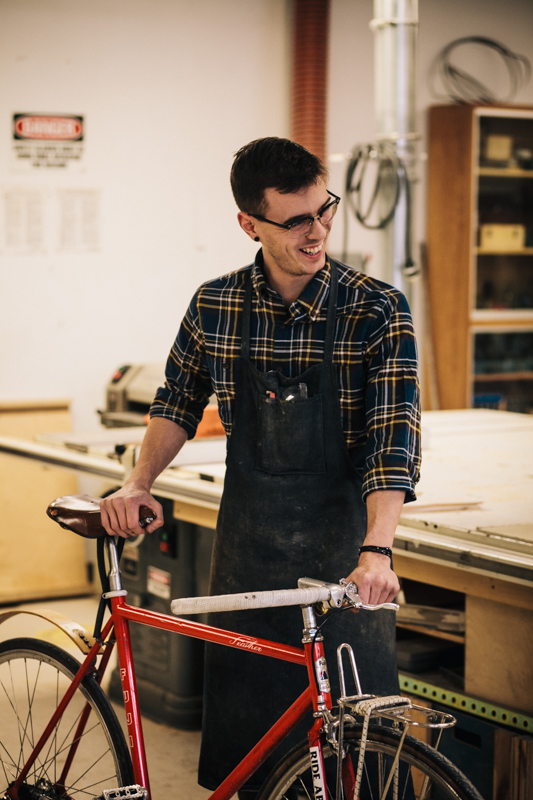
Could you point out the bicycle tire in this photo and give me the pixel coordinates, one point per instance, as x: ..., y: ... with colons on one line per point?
x: 34, y: 676
x: 291, y: 778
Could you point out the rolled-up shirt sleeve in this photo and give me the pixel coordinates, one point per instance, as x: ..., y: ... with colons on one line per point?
x: 392, y: 454
x: 188, y: 383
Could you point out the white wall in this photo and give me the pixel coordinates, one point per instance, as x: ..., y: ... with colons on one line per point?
x: 170, y: 89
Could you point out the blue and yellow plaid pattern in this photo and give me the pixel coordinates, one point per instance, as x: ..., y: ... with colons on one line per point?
x: 375, y: 353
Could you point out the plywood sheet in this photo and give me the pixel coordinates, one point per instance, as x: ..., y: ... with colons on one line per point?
x: 477, y: 472
x: 521, y: 531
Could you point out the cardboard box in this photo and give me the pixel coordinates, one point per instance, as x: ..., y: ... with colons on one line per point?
x: 502, y: 238
x: 498, y: 148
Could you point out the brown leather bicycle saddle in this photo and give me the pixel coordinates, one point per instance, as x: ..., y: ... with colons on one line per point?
x: 79, y: 513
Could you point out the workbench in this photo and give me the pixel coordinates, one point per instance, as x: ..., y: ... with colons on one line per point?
x: 470, y: 530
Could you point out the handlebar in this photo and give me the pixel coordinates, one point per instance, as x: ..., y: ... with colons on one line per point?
x: 309, y: 592
x: 146, y: 516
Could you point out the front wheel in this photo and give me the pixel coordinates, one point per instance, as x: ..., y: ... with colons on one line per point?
x: 423, y: 773
x: 34, y: 677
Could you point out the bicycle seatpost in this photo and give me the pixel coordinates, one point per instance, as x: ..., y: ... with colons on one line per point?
x: 115, y: 579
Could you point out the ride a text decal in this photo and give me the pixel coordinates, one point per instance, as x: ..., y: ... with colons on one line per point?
x: 317, y: 773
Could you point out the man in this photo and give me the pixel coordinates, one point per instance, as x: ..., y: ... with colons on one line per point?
x: 314, y: 369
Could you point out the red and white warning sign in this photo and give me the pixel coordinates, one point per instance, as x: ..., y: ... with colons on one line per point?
x: 39, y: 126
x: 47, y: 140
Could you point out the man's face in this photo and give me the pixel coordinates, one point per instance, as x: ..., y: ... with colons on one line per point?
x: 283, y: 253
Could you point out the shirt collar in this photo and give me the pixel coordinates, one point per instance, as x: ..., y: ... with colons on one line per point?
x: 261, y: 287
x: 307, y: 306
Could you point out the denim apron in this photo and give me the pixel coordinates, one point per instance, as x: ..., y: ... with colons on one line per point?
x: 291, y: 508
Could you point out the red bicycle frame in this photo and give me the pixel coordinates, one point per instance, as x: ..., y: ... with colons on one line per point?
x: 122, y: 614
x: 307, y: 701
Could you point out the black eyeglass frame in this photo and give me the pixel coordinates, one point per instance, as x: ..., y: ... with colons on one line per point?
x: 307, y: 217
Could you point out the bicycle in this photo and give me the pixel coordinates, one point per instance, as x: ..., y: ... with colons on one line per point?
x: 60, y: 738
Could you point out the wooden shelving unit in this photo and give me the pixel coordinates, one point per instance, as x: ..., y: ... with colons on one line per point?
x: 524, y: 251
x: 481, y: 298
x: 488, y: 377
x: 498, y: 172
x: 458, y: 638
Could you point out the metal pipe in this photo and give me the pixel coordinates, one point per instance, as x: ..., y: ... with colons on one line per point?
x: 395, y: 27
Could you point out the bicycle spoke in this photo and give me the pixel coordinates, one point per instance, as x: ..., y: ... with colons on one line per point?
x: 10, y: 761
x: 65, y: 747
x: 425, y: 788
x: 8, y: 778
x: 368, y: 783
x: 304, y: 787
x: 88, y: 789
x: 21, y: 726
x: 51, y: 760
x: 405, y: 789
x: 40, y: 770
x: 10, y: 702
x: 88, y: 769
x: 29, y: 718
x: 56, y: 730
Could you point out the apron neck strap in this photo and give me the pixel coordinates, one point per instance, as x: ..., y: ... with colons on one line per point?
x: 246, y: 313
x: 332, y: 313
x: 330, y: 320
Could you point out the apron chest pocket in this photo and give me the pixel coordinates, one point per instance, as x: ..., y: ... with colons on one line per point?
x: 291, y: 436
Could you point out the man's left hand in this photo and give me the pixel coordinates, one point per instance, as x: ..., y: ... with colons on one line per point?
x: 376, y: 582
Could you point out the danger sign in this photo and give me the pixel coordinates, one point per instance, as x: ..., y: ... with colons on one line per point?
x: 47, y: 140
x: 41, y: 126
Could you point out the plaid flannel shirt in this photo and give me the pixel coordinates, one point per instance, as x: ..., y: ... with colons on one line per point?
x: 375, y: 354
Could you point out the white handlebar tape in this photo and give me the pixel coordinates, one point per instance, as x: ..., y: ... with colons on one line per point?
x: 241, y: 602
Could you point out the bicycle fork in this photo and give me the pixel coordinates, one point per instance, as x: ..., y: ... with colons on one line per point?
x: 348, y: 780
x: 318, y: 675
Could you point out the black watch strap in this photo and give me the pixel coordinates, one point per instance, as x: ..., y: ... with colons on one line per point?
x: 372, y: 548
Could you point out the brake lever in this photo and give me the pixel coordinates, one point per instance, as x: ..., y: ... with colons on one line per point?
x: 353, y: 599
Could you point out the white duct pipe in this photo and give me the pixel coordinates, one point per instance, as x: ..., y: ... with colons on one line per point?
x: 395, y: 27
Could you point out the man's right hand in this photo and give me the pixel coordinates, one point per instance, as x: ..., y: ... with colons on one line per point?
x: 120, y: 512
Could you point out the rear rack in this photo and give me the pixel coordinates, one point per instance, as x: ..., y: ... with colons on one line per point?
x: 400, y: 710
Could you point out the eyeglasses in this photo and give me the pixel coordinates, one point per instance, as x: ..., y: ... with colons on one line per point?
x: 301, y: 226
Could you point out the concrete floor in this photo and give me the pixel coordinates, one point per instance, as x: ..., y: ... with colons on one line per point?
x: 172, y: 754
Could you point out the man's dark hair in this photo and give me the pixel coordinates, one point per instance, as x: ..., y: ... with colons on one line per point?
x: 272, y: 163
